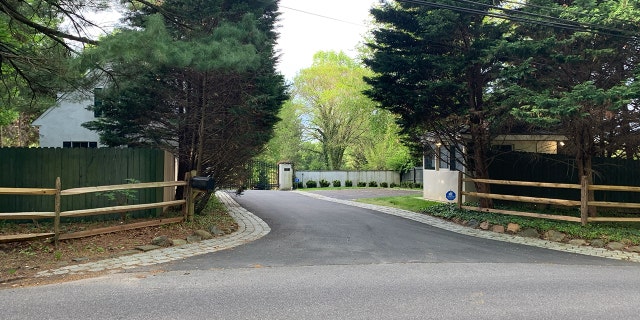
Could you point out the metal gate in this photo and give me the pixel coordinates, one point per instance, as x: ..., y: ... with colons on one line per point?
x: 261, y: 176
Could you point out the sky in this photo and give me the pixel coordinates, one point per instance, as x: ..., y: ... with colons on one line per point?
x: 309, y: 26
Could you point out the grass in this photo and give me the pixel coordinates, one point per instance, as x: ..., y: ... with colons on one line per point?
x: 628, y: 233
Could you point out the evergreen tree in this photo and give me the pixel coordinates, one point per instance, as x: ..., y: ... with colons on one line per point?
x: 579, y: 80
x: 434, y: 68
x: 201, y: 84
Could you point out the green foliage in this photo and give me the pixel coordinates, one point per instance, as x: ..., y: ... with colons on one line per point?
x: 373, y: 184
x: 362, y: 184
x: 324, y: 183
x: 348, y: 183
x: 121, y: 197
x: 336, y: 183
x: 202, y: 84
x: 311, y: 184
x: 384, y: 184
x: 435, y: 70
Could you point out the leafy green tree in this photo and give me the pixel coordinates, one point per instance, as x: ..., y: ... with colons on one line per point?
x: 34, y: 51
x: 201, y: 84
x: 286, y: 144
x: 434, y: 68
x: 329, y: 93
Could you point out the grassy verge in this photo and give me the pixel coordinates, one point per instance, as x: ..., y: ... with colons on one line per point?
x: 628, y: 233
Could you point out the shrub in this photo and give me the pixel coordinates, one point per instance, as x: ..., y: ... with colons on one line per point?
x: 324, y: 183
x: 373, y: 184
x: 348, y: 183
x: 336, y: 183
x: 384, y: 184
x: 393, y: 185
x: 311, y: 184
x: 299, y: 185
x: 407, y: 184
x: 362, y: 184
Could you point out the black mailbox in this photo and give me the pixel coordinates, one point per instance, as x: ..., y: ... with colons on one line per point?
x: 203, y: 183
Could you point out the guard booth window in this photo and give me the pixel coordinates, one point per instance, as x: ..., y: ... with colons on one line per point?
x: 447, y: 157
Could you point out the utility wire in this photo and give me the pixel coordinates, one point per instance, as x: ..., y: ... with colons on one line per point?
x: 521, y: 16
x: 325, y: 17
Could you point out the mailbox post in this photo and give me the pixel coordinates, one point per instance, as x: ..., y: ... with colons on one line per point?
x: 194, y: 186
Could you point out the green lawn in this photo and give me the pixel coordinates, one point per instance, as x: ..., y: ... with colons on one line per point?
x: 628, y: 233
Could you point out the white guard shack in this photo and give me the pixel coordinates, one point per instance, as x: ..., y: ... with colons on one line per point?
x: 443, y: 163
x: 285, y: 176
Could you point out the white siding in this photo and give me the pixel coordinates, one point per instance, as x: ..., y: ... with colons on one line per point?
x: 64, y: 122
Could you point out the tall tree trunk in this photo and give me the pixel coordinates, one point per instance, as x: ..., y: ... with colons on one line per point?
x: 584, y: 160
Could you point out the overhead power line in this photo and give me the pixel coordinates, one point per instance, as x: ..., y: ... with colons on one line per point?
x: 322, y: 16
x: 526, y: 17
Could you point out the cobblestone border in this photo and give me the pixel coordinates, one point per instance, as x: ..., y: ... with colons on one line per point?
x: 250, y: 228
x: 453, y: 227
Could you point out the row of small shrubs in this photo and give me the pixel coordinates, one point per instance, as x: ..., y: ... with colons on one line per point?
x: 348, y: 183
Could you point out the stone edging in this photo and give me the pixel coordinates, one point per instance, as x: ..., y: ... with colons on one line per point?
x: 250, y: 228
x: 453, y: 227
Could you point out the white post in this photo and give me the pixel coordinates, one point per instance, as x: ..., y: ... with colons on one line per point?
x: 285, y: 176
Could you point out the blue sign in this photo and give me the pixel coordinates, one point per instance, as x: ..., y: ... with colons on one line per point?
x: 297, y: 180
x: 450, y: 195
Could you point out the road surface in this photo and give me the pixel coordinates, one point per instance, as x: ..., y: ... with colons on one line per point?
x: 324, y: 260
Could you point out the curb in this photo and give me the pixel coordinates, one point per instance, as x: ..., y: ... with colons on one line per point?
x: 453, y: 227
x: 250, y: 228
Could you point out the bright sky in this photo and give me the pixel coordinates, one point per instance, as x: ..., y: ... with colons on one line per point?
x: 309, y: 26
x: 306, y: 27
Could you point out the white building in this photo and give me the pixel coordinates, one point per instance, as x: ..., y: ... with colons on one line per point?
x: 61, y: 125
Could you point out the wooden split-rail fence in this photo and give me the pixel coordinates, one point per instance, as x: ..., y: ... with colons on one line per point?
x: 584, y: 203
x: 57, y: 214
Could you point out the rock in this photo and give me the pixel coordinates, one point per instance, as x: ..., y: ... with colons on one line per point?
x: 615, y: 246
x: 148, y: 247
x: 485, y: 225
x: 82, y: 259
x: 513, y: 228
x: 529, y: 233
x: 554, y: 235
x: 203, y: 234
x: 178, y: 242
x: 497, y: 228
x: 193, y: 238
x: 597, y: 243
x: 162, y: 241
x: 634, y: 249
x: 214, y: 230
x: 473, y: 223
x: 578, y: 242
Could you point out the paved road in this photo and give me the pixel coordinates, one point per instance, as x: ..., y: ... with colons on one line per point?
x: 324, y: 260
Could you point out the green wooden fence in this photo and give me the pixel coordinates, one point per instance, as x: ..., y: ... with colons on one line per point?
x: 562, y: 169
x: 77, y: 167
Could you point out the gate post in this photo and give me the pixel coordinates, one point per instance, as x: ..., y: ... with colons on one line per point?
x: 285, y: 176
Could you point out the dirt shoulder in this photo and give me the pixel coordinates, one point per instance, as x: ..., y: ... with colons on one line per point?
x: 21, y: 261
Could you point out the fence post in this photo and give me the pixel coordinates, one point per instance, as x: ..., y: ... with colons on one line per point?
x: 187, y: 197
x: 459, y: 202
x: 56, y: 219
x: 584, y: 200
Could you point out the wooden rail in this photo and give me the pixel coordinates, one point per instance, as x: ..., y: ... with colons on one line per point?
x: 57, y: 214
x: 583, y: 204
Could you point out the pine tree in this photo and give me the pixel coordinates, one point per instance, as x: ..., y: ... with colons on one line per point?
x: 197, y: 79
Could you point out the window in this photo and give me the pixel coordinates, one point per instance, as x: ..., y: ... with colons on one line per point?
x: 97, y: 102
x: 79, y: 144
x: 502, y: 147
